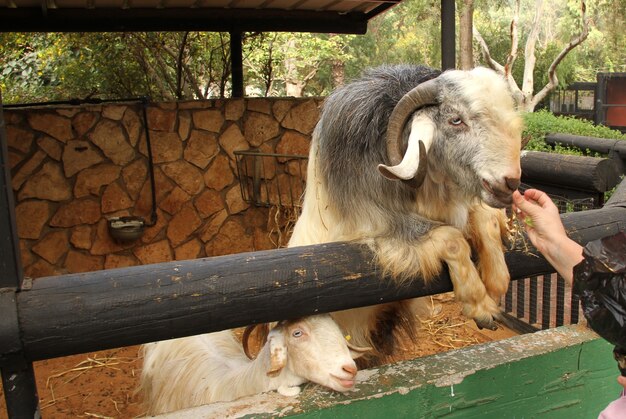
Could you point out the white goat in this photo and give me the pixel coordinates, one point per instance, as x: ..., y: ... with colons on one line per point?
x: 448, y: 148
x: 196, y: 370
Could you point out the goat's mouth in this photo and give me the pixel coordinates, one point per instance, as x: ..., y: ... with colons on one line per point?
x: 345, y: 383
x: 496, y: 197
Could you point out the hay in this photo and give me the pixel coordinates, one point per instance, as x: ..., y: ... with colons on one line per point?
x: 90, y: 363
x: 281, y: 221
x: 516, y: 237
x: 444, y: 331
x: 95, y: 415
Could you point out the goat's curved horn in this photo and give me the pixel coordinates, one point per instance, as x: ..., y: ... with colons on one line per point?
x: 262, y: 332
x: 422, y: 95
x: 412, y: 168
x: 245, y: 338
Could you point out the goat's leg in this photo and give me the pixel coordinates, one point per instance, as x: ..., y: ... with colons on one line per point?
x: 487, y: 229
x: 449, y: 244
x: 424, y: 257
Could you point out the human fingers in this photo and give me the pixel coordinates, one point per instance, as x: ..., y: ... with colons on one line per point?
x: 539, y: 197
x: 525, y: 204
x: 517, y: 198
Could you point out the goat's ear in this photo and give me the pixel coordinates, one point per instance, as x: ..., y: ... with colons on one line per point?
x: 358, y: 351
x: 278, y: 353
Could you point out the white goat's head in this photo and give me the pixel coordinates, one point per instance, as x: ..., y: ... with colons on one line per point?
x: 473, y: 114
x: 315, y: 349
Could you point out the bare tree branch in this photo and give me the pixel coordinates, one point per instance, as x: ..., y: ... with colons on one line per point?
x: 496, y: 66
x: 524, y: 97
x: 529, y: 52
x: 510, y: 60
x: 553, y: 80
x: 179, y: 65
x: 191, y: 79
x: 141, y: 46
x: 493, y: 64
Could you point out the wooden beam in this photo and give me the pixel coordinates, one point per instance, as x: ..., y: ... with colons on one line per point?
x: 32, y: 19
x: 80, y: 313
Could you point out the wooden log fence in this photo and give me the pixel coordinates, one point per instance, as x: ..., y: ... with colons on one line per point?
x: 78, y: 313
x: 581, y: 173
x: 607, y: 146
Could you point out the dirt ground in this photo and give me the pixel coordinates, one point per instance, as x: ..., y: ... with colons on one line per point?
x: 102, y: 384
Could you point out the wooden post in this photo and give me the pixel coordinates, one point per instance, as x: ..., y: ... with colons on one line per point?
x: 236, y: 58
x: 18, y: 377
x: 448, y: 48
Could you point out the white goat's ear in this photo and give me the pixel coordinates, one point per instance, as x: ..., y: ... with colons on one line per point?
x: 358, y: 351
x: 413, y: 164
x: 278, y: 353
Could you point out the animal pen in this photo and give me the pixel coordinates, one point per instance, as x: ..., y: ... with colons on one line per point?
x: 560, y: 372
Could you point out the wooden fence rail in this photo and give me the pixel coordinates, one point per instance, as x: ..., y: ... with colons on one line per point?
x: 601, y: 145
x: 78, y: 313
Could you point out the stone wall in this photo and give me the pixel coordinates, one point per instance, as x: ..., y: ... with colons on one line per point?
x: 75, y: 167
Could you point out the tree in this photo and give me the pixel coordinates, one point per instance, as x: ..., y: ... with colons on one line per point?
x: 524, y: 96
x: 466, y: 26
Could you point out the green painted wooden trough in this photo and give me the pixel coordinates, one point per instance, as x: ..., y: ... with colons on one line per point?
x: 567, y: 372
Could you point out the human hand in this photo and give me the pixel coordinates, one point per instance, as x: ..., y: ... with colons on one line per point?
x: 540, y: 217
x: 545, y: 230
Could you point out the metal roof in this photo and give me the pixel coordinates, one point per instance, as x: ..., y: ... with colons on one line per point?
x: 327, y: 16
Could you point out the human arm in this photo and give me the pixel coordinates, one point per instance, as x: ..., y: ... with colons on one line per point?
x: 546, y: 232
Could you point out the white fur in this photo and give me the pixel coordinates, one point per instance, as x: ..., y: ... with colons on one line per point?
x: 496, y: 157
x: 196, y: 370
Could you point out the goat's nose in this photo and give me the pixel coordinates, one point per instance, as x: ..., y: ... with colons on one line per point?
x: 350, y: 369
x: 512, y: 183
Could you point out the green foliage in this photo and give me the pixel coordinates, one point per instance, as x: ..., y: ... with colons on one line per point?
x: 57, y: 66
x: 408, y: 33
x: 538, y: 124
x: 28, y: 66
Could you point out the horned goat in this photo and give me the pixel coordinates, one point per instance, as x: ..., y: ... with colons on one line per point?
x: 196, y: 370
x: 448, y: 148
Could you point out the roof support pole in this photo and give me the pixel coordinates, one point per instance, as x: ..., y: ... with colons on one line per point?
x: 448, y: 46
x: 18, y: 377
x: 236, y: 59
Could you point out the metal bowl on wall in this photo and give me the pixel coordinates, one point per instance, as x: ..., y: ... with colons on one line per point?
x: 127, y: 228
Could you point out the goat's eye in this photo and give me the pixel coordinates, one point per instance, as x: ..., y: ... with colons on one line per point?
x: 297, y: 333
x: 456, y: 121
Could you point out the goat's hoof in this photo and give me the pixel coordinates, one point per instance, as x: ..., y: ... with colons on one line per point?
x: 486, y: 324
x: 289, y: 391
